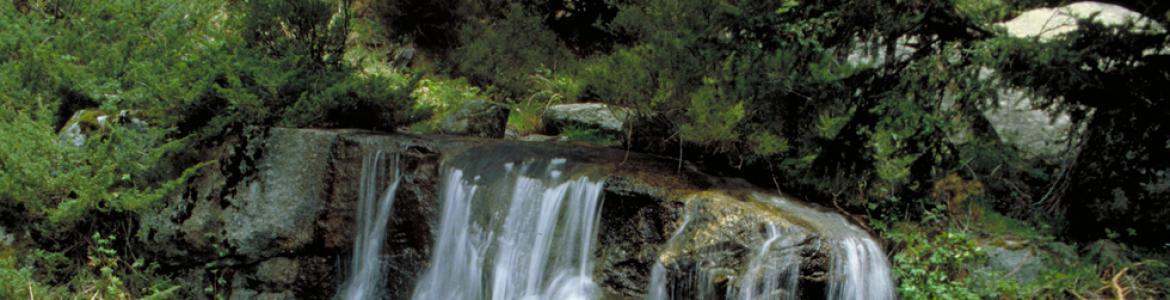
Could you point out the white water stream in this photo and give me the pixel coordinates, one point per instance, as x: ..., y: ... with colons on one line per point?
x: 373, y: 214
x: 514, y: 231
x: 526, y: 230
x: 859, y: 269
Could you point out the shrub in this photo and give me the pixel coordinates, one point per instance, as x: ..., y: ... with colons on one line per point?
x: 503, y: 52
x: 374, y: 102
x: 313, y: 32
x: 206, y: 67
x: 18, y: 283
x: 526, y: 118
x: 936, y: 267
x: 60, y: 185
x: 432, y: 24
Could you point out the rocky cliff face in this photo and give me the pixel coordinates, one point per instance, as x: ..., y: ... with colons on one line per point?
x: 272, y: 216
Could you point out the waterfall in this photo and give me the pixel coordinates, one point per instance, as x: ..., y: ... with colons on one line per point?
x: 373, y: 214
x: 771, y: 273
x: 858, y: 268
x: 516, y: 227
x: 658, y: 289
x: 514, y: 230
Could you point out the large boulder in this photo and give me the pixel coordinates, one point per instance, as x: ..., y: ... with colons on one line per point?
x: 1037, y: 133
x: 278, y: 214
x: 1117, y: 180
x: 1015, y: 116
x: 480, y: 118
x: 1024, y: 265
x: 608, y: 119
x: 687, y: 228
x: 260, y: 201
x: 1049, y: 23
x: 699, y: 239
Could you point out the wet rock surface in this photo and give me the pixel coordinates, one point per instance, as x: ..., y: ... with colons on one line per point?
x: 700, y: 239
x: 273, y: 215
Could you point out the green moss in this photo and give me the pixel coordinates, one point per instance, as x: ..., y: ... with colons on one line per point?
x: 951, y: 262
x: 439, y: 97
x: 998, y: 225
x: 589, y: 135
x: 526, y: 118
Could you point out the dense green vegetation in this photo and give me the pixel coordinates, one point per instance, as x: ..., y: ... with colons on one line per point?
x: 194, y: 71
x: 853, y: 104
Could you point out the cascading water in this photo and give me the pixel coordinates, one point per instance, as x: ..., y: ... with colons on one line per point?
x: 517, y: 228
x: 658, y: 289
x: 514, y: 230
x: 859, y: 269
x: 772, y: 273
x: 364, y: 281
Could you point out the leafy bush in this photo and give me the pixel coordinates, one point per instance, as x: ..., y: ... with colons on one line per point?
x: 625, y: 77
x: 431, y: 24
x: 437, y: 94
x: 60, y: 185
x: 986, y: 11
x: 373, y: 102
x: 310, y: 31
x: 948, y: 259
x: 18, y: 282
x: 550, y: 88
x: 504, y: 51
x: 936, y: 267
x: 526, y: 117
x: 192, y: 71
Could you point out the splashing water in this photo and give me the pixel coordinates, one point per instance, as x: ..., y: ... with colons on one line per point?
x: 526, y: 229
x: 373, y: 215
x: 658, y: 289
x: 859, y: 267
x: 514, y: 232
x: 858, y: 270
x: 771, y: 274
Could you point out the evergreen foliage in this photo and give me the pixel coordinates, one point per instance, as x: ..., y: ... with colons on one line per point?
x: 504, y: 52
x: 192, y: 71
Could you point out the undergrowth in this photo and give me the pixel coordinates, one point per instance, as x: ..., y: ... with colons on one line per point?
x: 948, y: 254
